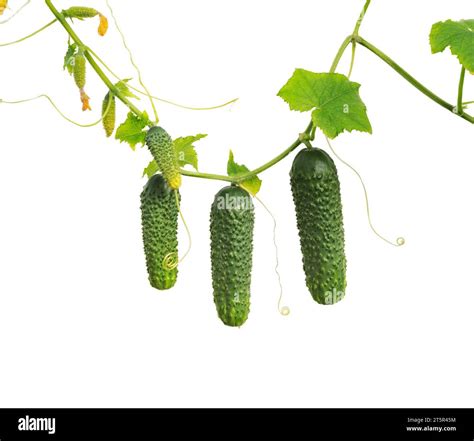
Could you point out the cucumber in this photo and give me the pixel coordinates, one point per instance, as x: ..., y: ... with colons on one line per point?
x: 160, y: 230
x: 161, y: 147
x: 79, y: 71
x: 317, y: 197
x: 80, y: 12
x: 108, y: 121
x: 232, y: 224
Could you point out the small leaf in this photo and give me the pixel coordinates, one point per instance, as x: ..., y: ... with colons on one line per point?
x: 69, y: 58
x: 459, y: 36
x: 124, y: 89
x: 185, y: 151
x: 132, y: 130
x: 335, y: 100
x: 151, y: 169
x: 252, y: 185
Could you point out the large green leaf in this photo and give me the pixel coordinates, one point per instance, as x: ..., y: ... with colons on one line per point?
x: 459, y: 36
x: 334, y: 98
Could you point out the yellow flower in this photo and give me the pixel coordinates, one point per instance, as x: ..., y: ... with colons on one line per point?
x: 3, y: 6
x: 104, y: 25
x: 85, y: 101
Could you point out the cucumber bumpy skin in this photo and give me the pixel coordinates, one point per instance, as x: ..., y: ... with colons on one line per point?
x: 79, y: 71
x: 317, y: 197
x: 160, y: 230
x: 80, y: 12
x: 108, y: 121
x: 232, y: 224
x: 161, y: 147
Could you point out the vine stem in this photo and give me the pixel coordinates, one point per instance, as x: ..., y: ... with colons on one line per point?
x: 413, y: 81
x: 340, y: 53
x: 93, y: 63
x: 303, y: 138
x: 356, y: 32
x: 361, y: 17
x: 237, y: 179
x: 460, y: 109
x: 308, y: 134
x: 132, y: 61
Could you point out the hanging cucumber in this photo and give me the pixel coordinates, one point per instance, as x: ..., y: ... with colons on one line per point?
x: 316, y: 194
x: 160, y: 231
x: 161, y: 147
x: 232, y: 223
x: 108, y: 121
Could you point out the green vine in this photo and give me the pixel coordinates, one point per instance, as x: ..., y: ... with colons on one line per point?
x: 60, y: 17
x: 355, y: 117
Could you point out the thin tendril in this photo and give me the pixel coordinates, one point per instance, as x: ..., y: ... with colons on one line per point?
x: 59, y: 111
x: 400, y: 241
x: 171, y: 261
x: 30, y: 35
x: 124, y: 41
x: 16, y: 12
x: 351, y: 67
x: 285, y: 310
x: 172, y: 103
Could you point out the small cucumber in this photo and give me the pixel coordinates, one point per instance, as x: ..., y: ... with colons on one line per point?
x: 79, y: 71
x: 108, y: 121
x: 161, y: 147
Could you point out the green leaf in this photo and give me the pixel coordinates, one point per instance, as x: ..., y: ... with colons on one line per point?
x: 459, y: 36
x: 71, y: 52
x: 151, y: 169
x: 132, y: 130
x: 185, y: 151
x: 335, y: 100
x: 252, y: 185
x: 124, y: 89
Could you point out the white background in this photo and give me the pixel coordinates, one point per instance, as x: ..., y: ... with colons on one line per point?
x: 79, y: 324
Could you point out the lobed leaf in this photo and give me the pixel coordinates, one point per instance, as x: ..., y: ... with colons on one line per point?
x: 334, y: 99
x: 252, y: 185
x: 124, y: 89
x: 185, y: 150
x: 459, y: 36
x: 132, y: 130
x: 151, y: 169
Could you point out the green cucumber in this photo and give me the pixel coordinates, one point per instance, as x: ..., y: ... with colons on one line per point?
x: 160, y: 231
x: 161, y: 147
x: 317, y: 197
x: 108, y: 121
x: 232, y: 224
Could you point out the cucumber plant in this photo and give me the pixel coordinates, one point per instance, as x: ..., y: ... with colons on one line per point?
x: 335, y: 106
